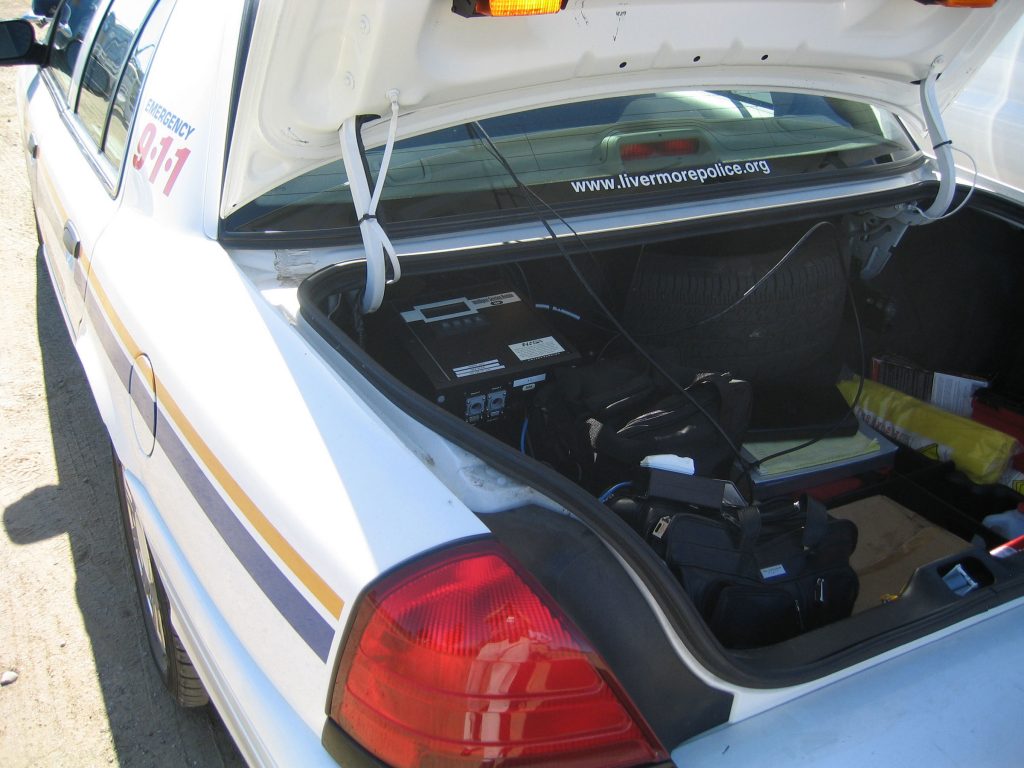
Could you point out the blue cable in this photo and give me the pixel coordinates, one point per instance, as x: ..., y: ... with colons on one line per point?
x: 613, y: 490
x: 522, y: 436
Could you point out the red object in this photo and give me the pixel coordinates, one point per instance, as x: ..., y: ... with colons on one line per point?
x: 636, y: 152
x: 836, y: 488
x: 1013, y: 547
x: 645, y: 150
x: 463, y: 660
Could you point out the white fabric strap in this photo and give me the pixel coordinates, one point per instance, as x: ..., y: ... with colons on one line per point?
x: 376, y: 244
x: 940, y: 143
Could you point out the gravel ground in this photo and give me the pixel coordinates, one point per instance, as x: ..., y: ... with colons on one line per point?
x: 86, y: 692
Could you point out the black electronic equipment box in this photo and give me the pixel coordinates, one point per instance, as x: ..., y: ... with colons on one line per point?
x: 477, y: 354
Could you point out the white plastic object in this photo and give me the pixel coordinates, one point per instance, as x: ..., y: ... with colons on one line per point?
x: 1009, y: 524
x: 669, y: 462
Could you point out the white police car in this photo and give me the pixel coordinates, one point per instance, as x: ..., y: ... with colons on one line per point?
x: 392, y: 312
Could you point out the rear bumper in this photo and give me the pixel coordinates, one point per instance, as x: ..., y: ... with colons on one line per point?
x: 952, y: 702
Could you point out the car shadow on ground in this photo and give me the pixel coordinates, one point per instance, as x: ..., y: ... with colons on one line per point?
x: 147, y: 728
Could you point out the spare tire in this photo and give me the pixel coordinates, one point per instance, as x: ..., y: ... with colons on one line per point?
x: 790, y: 322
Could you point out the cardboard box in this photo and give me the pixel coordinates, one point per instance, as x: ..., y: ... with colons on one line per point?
x: 892, y: 543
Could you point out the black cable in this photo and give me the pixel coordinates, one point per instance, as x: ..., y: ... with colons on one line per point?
x: 607, y: 346
x: 545, y: 306
x: 530, y: 196
x: 526, y: 283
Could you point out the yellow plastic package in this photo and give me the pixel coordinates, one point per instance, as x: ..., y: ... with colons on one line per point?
x: 980, y: 452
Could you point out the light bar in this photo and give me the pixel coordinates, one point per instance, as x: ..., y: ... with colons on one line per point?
x: 960, y: 3
x: 470, y: 8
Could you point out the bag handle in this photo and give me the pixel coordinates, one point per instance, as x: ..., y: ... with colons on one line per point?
x: 733, y: 414
x: 815, y: 524
x: 749, y: 519
x: 815, y: 521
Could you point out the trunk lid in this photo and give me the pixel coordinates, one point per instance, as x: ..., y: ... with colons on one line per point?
x: 311, y: 66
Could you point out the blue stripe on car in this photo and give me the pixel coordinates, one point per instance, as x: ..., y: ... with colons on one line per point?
x: 304, y: 618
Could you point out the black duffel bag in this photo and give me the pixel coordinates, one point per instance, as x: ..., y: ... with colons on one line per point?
x: 677, y: 424
x: 759, y: 579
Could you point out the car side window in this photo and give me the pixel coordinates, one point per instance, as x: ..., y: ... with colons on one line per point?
x: 70, y: 27
x: 126, y: 100
x: 106, y: 62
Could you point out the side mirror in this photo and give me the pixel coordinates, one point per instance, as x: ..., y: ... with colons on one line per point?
x: 46, y: 8
x: 18, y: 43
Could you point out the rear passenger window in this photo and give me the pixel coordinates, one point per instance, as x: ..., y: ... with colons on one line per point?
x: 126, y: 101
x: 106, y: 60
x: 69, y: 30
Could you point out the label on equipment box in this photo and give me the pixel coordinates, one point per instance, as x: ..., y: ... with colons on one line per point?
x: 496, y: 300
x: 537, y: 348
x: 530, y: 381
x: 477, y: 368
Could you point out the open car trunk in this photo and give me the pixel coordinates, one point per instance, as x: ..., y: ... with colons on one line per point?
x: 527, y: 359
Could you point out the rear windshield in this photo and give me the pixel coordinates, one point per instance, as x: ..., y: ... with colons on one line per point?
x: 619, y: 152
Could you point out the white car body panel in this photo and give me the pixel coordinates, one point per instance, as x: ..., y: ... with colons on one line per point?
x: 261, y: 721
x: 305, y: 500
x: 909, y: 711
x: 294, y: 495
x: 291, y: 532
x: 986, y: 119
x: 59, y: 153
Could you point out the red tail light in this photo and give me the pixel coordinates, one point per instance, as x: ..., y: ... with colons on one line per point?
x: 464, y: 661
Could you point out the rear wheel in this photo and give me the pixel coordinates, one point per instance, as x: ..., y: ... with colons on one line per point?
x: 172, y: 660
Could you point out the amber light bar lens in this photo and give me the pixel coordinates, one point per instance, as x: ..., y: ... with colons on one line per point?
x: 506, y: 7
x: 960, y: 3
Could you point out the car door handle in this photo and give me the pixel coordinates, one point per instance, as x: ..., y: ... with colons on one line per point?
x: 72, y: 243
x: 33, y: 146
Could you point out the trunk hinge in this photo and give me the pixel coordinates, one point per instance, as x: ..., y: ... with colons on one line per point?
x: 874, y: 246
x: 379, y: 250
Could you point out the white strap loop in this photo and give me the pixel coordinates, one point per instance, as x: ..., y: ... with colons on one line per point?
x: 376, y: 244
x: 940, y: 143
